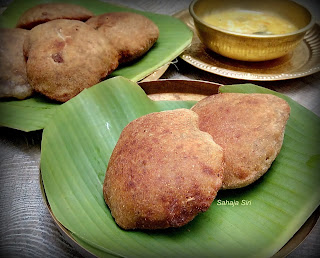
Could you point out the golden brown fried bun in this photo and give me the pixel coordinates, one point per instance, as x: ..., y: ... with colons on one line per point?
x: 51, y: 11
x: 13, y: 74
x: 65, y: 57
x: 250, y: 129
x: 131, y: 34
x: 163, y: 171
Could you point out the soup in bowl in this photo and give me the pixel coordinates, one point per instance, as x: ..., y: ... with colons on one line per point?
x: 250, y: 30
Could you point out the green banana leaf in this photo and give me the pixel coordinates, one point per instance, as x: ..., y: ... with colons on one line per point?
x: 174, y: 37
x: 256, y: 221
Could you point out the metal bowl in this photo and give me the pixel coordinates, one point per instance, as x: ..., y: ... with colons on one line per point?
x: 251, y: 47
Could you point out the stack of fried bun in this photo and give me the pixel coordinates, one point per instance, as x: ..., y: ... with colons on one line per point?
x: 168, y: 166
x: 59, y: 49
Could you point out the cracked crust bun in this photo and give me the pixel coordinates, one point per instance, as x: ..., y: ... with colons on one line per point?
x: 163, y: 171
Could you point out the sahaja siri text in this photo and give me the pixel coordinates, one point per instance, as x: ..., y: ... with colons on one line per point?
x: 234, y: 203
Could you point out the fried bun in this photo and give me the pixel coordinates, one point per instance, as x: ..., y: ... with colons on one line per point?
x: 65, y: 57
x: 250, y: 129
x: 131, y: 34
x: 13, y: 74
x: 42, y: 13
x: 162, y: 172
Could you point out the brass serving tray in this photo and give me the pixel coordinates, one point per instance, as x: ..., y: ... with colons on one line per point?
x: 302, y: 61
x: 181, y: 90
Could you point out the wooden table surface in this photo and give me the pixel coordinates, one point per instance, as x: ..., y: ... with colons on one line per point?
x: 26, y: 226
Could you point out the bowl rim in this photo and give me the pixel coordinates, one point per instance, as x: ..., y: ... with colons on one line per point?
x: 296, y: 32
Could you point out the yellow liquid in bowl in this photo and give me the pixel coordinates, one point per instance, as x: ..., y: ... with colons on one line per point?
x: 250, y: 22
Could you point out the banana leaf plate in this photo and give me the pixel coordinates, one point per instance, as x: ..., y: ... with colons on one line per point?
x: 33, y: 113
x: 255, y: 221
